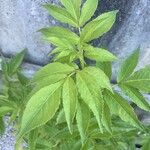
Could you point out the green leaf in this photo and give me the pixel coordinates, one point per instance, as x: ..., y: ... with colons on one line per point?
x: 90, y: 93
x: 106, y: 117
x: 61, y: 14
x: 56, y: 51
x: 4, y: 66
x: 73, y: 7
x: 88, y: 10
x: 22, y: 78
x: 2, y: 126
x: 98, y: 26
x: 99, y: 77
x: 140, y: 79
x: 135, y: 96
x: 119, y: 106
x: 128, y: 66
x: 146, y: 143
x: 15, y: 62
x: 43, y: 144
x: 106, y: 67
x: 62, y: 43
x: 32, y: 139
x: 98, y: 54
x: 52, y: 69
x: 63, y: 54
x: 4, y: 110
x: 59, y: 32
x: 61, y: 117
x: 42, y: 107
x: 69, y: 96
x: 83, y: 119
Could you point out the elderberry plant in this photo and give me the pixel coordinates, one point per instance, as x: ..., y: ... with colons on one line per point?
x: 73, y: 105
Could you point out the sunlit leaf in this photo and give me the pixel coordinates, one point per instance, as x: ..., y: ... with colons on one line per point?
x: 140, y: 79
x: 52, y: 33
x: 128, y: 66
x: 98, y: 54
x: 83, y: 118
x: 69, y: 96
x: 42, y: 107
x: 136, y: 97
x: 61, y: 14
x: 119, y: 106
x: 87, y: 11
x: 98, y: 26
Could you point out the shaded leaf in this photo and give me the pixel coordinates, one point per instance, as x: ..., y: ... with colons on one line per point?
x: 32, y: 139
x: 61, y: 117
x: 15, y: 62
x: 4, y: 110
x: 106, y: 117
x: 2, y: 126
x: 146, y: 143
x: 22, y: 78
